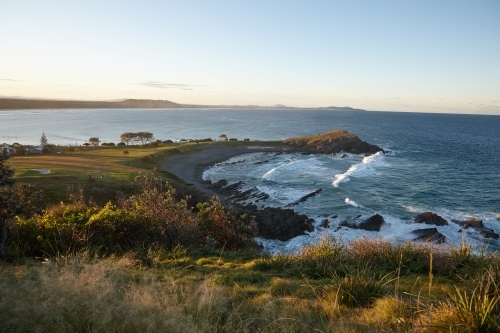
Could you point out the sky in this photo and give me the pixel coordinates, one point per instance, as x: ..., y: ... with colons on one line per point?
x: 417, y: 56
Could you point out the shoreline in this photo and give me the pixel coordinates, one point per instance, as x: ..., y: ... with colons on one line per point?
x: 190, y: 167
x: 273, y: 222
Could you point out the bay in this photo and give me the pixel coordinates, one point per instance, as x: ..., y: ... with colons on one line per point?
x: 445, y: 163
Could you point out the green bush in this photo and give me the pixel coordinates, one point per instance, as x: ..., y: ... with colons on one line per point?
x: 229, y: 230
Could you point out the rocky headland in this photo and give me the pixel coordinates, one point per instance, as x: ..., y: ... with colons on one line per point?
x: 284, y: 223
x: 273, y: 222
x: 332, y: 143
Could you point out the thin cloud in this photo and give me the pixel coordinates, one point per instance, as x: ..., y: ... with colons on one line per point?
x: 12, y: 80
x: 162, y: 85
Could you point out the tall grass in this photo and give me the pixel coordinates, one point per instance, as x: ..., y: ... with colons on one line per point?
x: 369, y: 286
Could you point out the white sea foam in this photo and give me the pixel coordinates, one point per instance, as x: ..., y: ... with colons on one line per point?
x: 351, y: 202
x: 268, y: 174
x: 363, y: 169
x: 414, y: 209
x: 283, y: 195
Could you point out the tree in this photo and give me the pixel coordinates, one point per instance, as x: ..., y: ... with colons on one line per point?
x: 18, y: 200
x: 94, y: 141
x: 223, y: 137
x: 44, y: 143
x: 144, y: 137
x: 20, y: 150
x: 127, y: 137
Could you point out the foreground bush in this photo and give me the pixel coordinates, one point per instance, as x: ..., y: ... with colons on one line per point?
x: 155, y: 216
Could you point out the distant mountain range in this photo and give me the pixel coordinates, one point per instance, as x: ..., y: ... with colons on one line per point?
x: 34, y: 103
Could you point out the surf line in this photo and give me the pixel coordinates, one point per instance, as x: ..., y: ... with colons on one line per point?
x: 362, y: 169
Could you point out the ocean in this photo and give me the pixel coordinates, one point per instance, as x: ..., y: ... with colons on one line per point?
x: 444, y: 163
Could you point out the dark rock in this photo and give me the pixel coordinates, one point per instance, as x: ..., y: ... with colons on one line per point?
x: 278, y: 223
x: 470, y: 222
x: 430, y: 218
x: 325, y: 223
x: 343, y: 156
x: 429, y: 235
x: 374, y: 223
x: 221, y: 183
x: 488, y: 233
x: 477, y: 224
x: 304, y: 198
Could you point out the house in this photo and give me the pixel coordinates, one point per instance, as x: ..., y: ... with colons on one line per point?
x: 34, y: 150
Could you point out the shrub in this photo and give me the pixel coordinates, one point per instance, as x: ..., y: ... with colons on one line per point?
x: 230, y: 231
x: 360, y: 287
x: 58, y: 230
x: 321, y: 260
x: 119, y: 228
x: 153, y: 144
x: 126, y: 152
x: 120, y: 144
x: 479, y: 310
x: 175, y: 222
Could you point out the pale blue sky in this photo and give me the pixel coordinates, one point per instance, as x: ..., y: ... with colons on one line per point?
x: 430, y: 56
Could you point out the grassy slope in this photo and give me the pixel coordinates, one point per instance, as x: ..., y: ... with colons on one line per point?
x: 157, y: 290
x: 179, y: 291
x: 73, y: 168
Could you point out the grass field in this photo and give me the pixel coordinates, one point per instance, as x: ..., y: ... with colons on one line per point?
x: 109, y: 167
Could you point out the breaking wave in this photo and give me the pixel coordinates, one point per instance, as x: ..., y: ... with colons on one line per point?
x: 363, y: 169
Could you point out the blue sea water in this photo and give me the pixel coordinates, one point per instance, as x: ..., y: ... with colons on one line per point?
x: 444, y: 163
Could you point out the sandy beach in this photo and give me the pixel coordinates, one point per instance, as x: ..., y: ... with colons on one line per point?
x: 190, y: 167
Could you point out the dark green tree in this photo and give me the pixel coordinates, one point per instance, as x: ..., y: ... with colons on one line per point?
x: 44, y: 143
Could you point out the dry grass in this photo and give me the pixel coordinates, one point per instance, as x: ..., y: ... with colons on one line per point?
x: 240, y: 292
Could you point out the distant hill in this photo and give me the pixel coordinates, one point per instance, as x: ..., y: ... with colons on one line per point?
x: 34, y: 103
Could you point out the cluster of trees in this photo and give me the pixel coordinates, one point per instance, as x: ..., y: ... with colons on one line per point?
x: 136, y: 137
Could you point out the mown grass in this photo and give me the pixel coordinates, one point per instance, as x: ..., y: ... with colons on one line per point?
x: 108, y: 167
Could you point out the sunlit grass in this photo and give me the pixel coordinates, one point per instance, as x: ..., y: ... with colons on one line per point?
x: 178, y: 290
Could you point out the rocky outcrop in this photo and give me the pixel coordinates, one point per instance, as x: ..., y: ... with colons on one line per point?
x: 304, y: 198
x: 332, y: 143
x: 430, y: 218
x: 489, y: 233
x: 429, y: 235
x: 373, y: 223
x: 278, y: 223
x: 477, y: 224
x: 272, y: 222
x: 470, y: 222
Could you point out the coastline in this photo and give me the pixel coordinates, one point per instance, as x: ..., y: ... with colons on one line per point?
x: 190, y: 166
x: 273, y: 222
